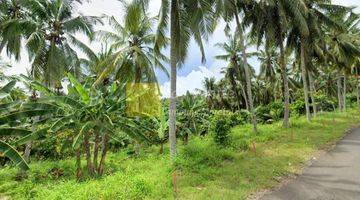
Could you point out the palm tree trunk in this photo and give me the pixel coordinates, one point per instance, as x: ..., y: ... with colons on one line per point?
x: 27, y: 151
x: 96, y: 150
x: 344, y: 93
x: 286, y: 85
x: 78, y: 163
x: 312, y: 93
x: 357, y: 88
x: 339, y: 91
x: 174, y: 34
x: 105, y: 140
x: 304, y: 79
x: 236, y: 92
x: 90, y: 166
x: 247, y: 73
x: 245, y: 97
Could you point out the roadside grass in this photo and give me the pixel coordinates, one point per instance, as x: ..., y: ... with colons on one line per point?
x: 204, y: 170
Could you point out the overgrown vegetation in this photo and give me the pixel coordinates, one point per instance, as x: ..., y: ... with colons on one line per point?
x: 79, y: 104
x: 205, y: 170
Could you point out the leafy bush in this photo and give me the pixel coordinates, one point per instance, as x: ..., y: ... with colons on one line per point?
x: 270, y: 113
x: 298, y: 108
x: 325, y: 103
x: 263, y: 114
x: 220, y: 127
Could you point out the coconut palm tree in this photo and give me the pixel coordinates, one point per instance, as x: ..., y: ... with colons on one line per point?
x: 210, y: 87
x: 14, y: 24
x: 230, y: 9
x: 343, y: 48
x: 271, y: 20
x: 232, y: 55
x: 51, y: 42
x: 186, y: 21
x: 135, y: 58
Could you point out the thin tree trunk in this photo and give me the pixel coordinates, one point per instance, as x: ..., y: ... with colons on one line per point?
x: 304, y: 79
x: 174, y: 60
x: 186, y: 139
x: 90, y: 166
x: 237, y: 95
x: 339, y: 91
x: 286, y: 86
x: 344, y: 93
x: 357, y: 87
x: 27, y: 151
x: 312, y: 93
x: 78, y: 163
x: 247, y: 73
x: 96, y: 150
x: 161, y: 151
x: 103, y: 154
x: 245, y: 97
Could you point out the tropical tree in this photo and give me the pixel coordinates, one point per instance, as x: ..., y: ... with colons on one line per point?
x: 6, y: 149
x: 188, y: 118
x: 343, y: 50
x: 14, y: 24
x: 272, y: 20
x: 210, y: 87
x: 135, y: 58
x: 230, y: 9
x: 186, y: 21
x: 93, y: 116
x: 51, y: 43
x: 232, y: 55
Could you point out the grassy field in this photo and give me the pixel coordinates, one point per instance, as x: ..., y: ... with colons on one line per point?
x: 204, y: 171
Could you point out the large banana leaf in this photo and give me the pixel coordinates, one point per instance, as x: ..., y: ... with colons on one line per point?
x: 8, y: 107
x: 39, y: 106
x: 84, y: 129
x: 10, y: 152
x: 14, y: 132
x: 30, y: 137
x: 61, y: 123
x: 36, y: 86
x: 23, y: 114
x: 84, y: 95
x: 5, y: 91
x: 62, y: 100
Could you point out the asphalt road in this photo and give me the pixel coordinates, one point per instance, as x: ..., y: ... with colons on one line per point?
x: 334, y: 176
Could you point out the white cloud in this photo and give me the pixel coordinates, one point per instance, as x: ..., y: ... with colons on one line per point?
x: 191, y: 82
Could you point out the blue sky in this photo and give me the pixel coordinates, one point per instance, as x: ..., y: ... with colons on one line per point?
x: 193, y: 72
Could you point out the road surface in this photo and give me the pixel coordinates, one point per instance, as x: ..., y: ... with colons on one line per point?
x: 334, y: 176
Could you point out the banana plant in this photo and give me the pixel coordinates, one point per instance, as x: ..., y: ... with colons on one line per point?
x: 6, y: 149
x: 94, y: 115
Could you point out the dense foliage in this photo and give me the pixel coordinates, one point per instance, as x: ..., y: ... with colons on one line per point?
x: 78, y: 106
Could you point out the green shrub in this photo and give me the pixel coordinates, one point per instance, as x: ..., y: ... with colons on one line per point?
x: 220, y: 127
x: 325, y: 103
x: 263, y: 114
x: 298, y: 108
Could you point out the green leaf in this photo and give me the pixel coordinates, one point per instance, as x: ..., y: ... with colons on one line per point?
x: 79, y: 88
x: 85, y: 128
x: 10, y: 152
x: 5, y: 91
x: 14, y: 132
x: 37, y: 86
x: 33, y: 136
x: 23, y: 114
x: 59, y: 124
